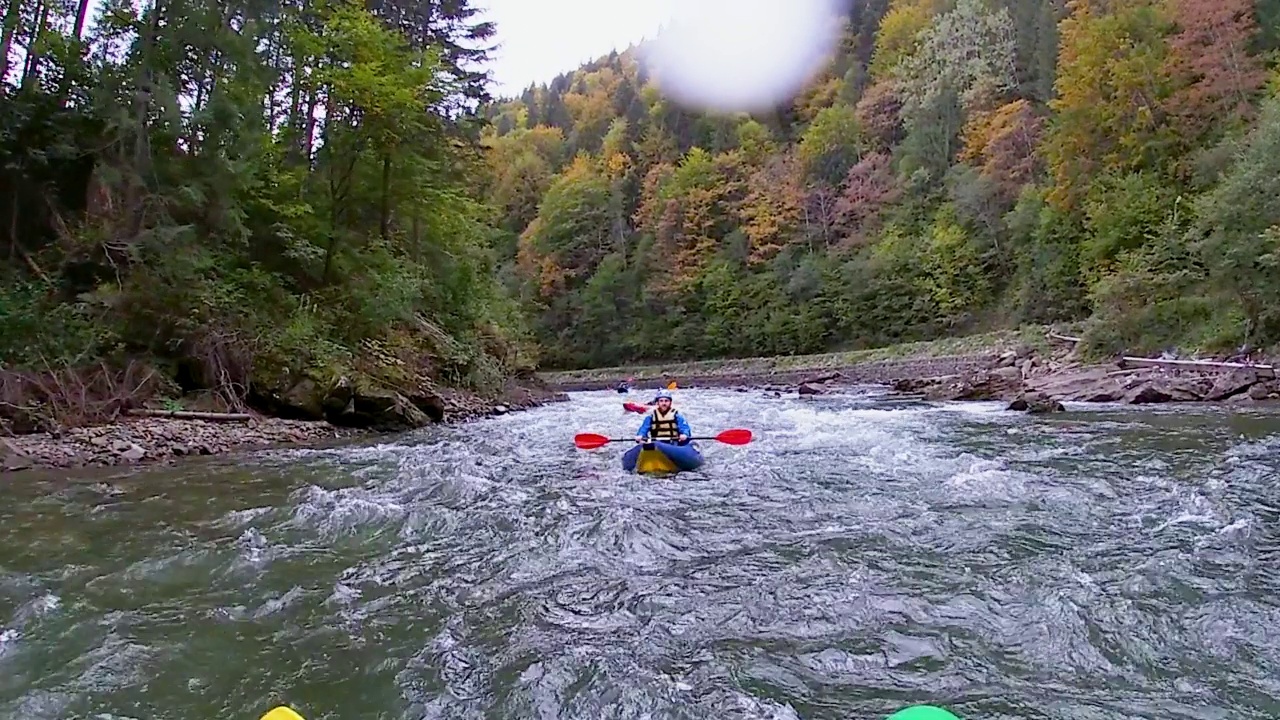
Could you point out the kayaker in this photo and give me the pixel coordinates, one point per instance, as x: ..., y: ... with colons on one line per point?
x: 625, y: 385
x: 664, y: 423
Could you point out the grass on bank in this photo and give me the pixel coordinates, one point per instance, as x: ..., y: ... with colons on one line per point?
x: 1032, y: 335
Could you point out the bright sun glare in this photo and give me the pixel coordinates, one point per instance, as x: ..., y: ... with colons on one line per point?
x: 742, y: 55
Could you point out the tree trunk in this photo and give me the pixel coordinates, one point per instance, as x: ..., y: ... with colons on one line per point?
x: 142, y: 128
x: 11, y: 18
x: 32, y: 69
x: 82, y: 12
x: 384, y: 212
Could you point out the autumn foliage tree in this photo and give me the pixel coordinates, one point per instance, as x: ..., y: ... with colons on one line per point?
x: 869, y: 188
x: 1004, y: 145
x: 1217, y: 78
x: 957, y: 165
x: 1113, y: 82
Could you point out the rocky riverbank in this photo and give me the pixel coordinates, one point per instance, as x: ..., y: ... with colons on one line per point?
x: 134, y: 440
x: 1042, y: 385
x: 1038, y: 382
x: 1033, y: 378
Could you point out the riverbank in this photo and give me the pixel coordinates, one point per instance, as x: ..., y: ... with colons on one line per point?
x: 1034, y: 368
x: 1044, y: 381
x: 878, y: 365
x: 155, y: 438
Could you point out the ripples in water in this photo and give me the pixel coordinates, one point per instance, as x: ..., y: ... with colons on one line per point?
x: 864, y: 554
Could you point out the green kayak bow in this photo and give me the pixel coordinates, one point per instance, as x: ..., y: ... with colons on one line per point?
x: 922, y: 712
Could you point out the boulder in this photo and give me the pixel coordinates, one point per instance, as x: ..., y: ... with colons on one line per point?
x: 381, y: 409
x: 1027, y: 367
x: 912, y: 384
x: 361, y: 404
x: 11, y: 458
x: 823, y: 378
x: 1079, y: 385
x: 306, y: 397
x: 1002, y: 384
x: 1034, y: 402
x: 1163, y: 389
x: 1232, y: 384
x: 807, y: 389
x: 1009, y: 374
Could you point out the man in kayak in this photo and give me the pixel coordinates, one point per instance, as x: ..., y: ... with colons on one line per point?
x: 625, y: 385
x: 664, y: 423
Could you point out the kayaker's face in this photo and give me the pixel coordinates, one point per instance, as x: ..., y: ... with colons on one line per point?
x: 664, y: 405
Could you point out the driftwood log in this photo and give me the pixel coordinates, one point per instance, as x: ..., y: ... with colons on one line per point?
x: 191, y: 415
x: 1264, y: 371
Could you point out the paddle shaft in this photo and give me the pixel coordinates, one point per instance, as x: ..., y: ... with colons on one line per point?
x: 735, y: 436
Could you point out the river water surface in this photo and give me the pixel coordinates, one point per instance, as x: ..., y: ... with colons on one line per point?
x: 863, y: 554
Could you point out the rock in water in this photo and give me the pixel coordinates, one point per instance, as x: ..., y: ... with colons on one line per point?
x: 12, y: 459
x: 1163, y: 390
x: 1034, y: 402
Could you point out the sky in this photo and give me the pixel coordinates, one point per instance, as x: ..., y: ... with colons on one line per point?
x: 543, y: 38
x: 540, y: 39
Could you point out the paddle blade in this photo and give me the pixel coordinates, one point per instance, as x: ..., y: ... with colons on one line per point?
x: 590, y: 441
x: 672, y: 385
x: 282, y: 713
x: 736, y: 436
x: 635, y: 407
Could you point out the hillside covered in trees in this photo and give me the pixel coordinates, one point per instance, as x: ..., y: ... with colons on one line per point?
x: 960, y: 165
x: 237, y: 196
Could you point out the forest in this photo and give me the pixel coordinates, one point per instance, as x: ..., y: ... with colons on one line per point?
x: 217, y: 198
x: 959, y: 166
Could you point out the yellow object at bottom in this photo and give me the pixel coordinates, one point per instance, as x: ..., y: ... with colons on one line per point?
x: 282, y: 713
x: 653, y: 461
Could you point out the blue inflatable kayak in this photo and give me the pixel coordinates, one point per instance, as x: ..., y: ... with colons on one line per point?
x: 661, y: 457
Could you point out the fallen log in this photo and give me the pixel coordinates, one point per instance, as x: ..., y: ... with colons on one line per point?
x: 1266, y: 371
x: 191, y: 415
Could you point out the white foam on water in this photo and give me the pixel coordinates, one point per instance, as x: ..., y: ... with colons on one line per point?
x: 279, y: 603
x: 345, y: 510
x: 8, y: 639
x: 253, y: 548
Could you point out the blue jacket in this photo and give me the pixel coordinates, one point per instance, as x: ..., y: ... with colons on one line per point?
x: 681, y: 425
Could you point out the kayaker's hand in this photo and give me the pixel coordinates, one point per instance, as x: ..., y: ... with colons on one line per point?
x: 640, y: 439
x: 683, y: 439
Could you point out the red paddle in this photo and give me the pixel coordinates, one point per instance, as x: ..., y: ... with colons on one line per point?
x: 635, y: 407
x: 591, y: 441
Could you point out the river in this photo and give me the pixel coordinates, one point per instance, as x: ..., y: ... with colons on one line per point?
x: 861, y: 555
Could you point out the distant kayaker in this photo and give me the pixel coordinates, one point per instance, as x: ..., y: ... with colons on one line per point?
x: 625, y: 385
x: 664, y: 423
